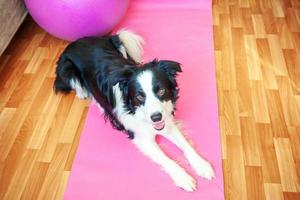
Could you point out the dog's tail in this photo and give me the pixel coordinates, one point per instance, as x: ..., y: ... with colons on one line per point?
x: 131, y: 45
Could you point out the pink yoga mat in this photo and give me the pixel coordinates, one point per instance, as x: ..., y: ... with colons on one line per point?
x: 107, y: 165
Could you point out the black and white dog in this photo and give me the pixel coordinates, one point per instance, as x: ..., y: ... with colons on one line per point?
x: 138, y: 99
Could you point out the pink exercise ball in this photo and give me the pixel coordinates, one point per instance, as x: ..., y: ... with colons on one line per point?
x: 73, y: 19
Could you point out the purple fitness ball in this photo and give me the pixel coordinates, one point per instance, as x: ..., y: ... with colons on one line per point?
x: 73, y: 19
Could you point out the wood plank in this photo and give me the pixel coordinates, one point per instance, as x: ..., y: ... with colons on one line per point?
x: 251, y: 144
x: 289, y: 105
x: 273, y: 191
x: 291, y: 20
x: 75, y: 144
x: 269, y: 22
x: 277, y: 8
x: 253, y: 63
x: 231, y: 113
x: 5, y: 116
x: 10, y: 83
x: 39, y: 55
x: 47, y: 151
x: 43, y: 124
x: 269, y: 78
x: 35, y: 181
x: 292, y: 61
x: 258, y: 25
x: 247, y: 21
x: 62, y: 185
x: 285, y: 35
x: 244, y: 93
x: 291, y: 195
x: 55, y: 173
x: 259, y: 102
x: 295, y: 145
x: 276, y: 114
x: 227, y: 55
x: 72, y: 122
x: 287, y: 169
x: 279, y: 65
x: 34, y: 44
x: 255, y: 186
x: 268, y: 155
x: 18, y: 183
x: 234, y: 171
x: 235, y: 16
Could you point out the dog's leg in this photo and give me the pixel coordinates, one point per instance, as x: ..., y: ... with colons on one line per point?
x: 81, y: 92
x: 200, y: 165
x: 145, y: 141
x: 149, y: 147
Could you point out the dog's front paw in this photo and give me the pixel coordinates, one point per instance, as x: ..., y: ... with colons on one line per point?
x: 184, y: 180
x: 202, y: 168
x: 82, y: 95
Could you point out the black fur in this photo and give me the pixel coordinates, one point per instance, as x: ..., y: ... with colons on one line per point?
x: 98, y: 65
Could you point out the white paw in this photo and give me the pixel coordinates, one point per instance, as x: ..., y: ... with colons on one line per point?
x: 80, y: 96
x: 202, y: 168
x: 184, y: 180
x: 82, y: 93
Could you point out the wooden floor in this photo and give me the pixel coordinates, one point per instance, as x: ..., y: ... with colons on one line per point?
x: 39, y: 131
x: 257, y: 53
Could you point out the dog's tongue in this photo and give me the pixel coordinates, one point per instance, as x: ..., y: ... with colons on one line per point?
x: 159, y: 125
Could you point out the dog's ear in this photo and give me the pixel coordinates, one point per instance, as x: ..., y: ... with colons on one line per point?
x: 171, y: 68
x: 105, y: 84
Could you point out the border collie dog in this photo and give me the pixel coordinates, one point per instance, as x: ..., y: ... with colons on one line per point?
x: 138, y: 99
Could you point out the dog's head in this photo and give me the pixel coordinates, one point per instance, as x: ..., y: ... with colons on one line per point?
x: 151, y: 92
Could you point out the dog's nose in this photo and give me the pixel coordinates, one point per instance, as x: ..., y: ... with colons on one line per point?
x: 156, y: 117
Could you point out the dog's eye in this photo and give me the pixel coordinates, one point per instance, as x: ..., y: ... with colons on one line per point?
x: 140, y: 97
x: 161, y: 92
